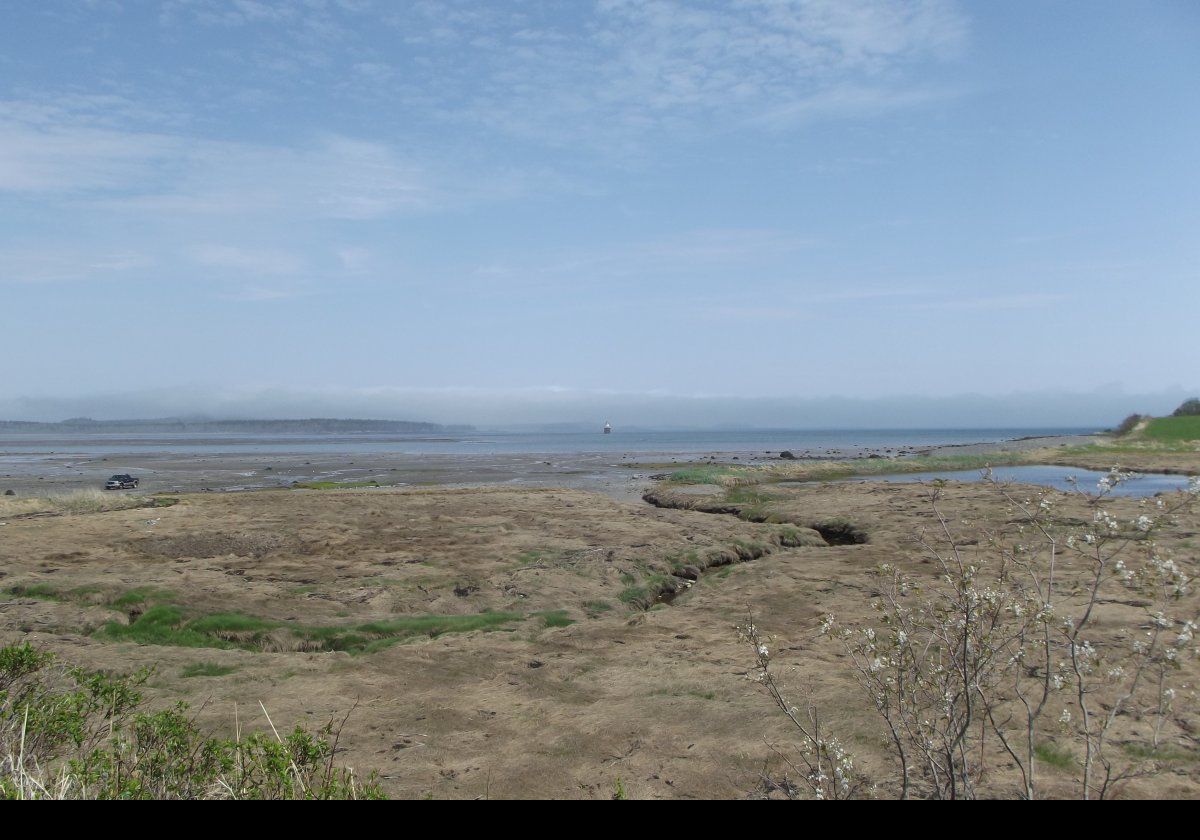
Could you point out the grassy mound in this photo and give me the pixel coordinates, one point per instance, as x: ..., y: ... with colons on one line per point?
x: 1173, y: 429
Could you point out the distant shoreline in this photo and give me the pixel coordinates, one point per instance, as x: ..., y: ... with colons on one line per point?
x: 184, y: 425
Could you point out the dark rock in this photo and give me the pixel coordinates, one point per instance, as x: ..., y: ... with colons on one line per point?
x: 787, y: 455
x: 536, y: 663
x: 462, y: 590
x: 10, y: 492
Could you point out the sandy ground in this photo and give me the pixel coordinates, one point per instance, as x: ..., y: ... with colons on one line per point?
x: 661, y: 699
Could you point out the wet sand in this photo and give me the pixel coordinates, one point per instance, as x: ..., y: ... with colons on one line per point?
x: 624, y: 476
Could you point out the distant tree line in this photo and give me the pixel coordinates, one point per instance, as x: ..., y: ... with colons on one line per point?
x: 316, y: 425
x: 1190, y: 408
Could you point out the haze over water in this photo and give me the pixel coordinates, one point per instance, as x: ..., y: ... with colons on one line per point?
x: 751, y: 442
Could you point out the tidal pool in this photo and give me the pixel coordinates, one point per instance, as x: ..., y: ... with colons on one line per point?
x: 1146, y: 484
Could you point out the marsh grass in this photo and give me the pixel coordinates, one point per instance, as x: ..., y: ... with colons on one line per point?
x: 167, y: 625
x: 335, y: 485
x: 90, y: 594
x: 79, y: 502
x: 556, y: 618
x: 133, y: 597
x: 40, y: 591
x: 1052, y: 755
x: 1163, y: 753
x: 633, y: 594
x: 207, y: 669
x: 734, y: 477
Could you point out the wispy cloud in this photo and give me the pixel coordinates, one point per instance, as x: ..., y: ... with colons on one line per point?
x: 59, y: 264
x: 62, y: 153
x: 252, y: 261
x: 1025, y: 300
x: 644, y: 68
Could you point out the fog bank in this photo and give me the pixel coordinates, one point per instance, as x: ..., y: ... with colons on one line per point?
x: 548, y: 406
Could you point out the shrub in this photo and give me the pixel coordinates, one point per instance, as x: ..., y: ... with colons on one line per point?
x: 1128, y: 424
x: 68, y: 733
x: 1003, y: 653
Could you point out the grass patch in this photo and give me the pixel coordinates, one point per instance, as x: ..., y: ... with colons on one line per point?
x: 735, y: 477
x: 138, y: 595
x: 556, y: 618
x: 79, y: 501
x: 705, y: 474
x: 1172, y: 429
x: 1164, y: 753
x: 167, y: 625
x: 1052, y: 755
x: 40, y: 591
x: 207, y: 669
x: 334, y: 485
x: 632, y: 594
x: 595, y: 608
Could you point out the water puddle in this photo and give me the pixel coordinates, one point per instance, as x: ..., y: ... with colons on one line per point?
x: 1056, y: 477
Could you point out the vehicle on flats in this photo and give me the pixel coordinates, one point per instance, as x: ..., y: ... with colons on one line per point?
x: 124, y: 481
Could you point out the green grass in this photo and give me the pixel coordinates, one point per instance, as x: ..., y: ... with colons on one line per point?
x: 630, y: 594
x: 704, y: 474
x: 207, y: 669
x: 159, y: 625
x: 91, y: 593
x: 1052, y: 755
x: 556, y: 618
x: 1173, y: 429
x: 596, y: 607
x: 167, y: 625
x: 40, y: 591
x: 732, y: 476
x: 1164, y: 753
x: 139, y: 595
x: 334, y: 485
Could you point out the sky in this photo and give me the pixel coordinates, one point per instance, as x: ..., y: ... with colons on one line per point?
x: 454, y: 208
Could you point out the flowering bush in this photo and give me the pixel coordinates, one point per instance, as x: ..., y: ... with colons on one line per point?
x: 974, y: 672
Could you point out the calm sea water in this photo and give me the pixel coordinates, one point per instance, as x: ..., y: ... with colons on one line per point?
x: 660, y: 442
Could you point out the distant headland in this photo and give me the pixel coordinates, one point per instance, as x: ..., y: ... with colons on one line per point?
x: 203, y: 425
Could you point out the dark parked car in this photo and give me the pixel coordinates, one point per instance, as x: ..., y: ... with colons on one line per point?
x: 121, y: 482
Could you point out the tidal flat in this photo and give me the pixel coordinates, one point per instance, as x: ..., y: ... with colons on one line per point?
x: 524, y: 641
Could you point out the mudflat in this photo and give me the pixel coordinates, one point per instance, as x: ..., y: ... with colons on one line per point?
x: 515, y: 641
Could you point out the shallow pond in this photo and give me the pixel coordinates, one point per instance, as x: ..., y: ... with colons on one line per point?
x: 1146, y: 484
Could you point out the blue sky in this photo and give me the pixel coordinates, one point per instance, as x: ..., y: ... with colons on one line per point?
x: 383, y: 200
